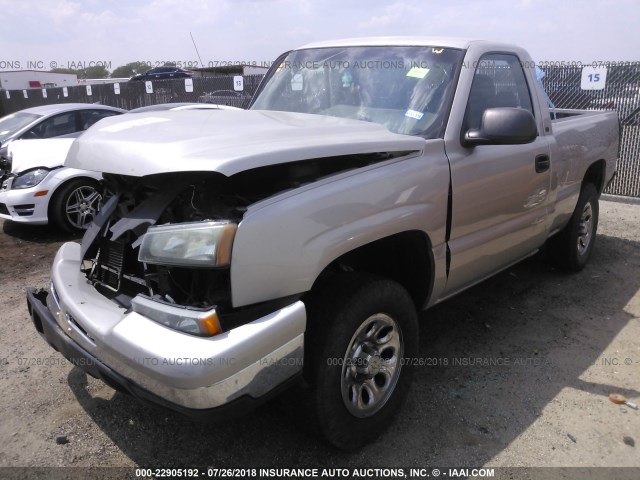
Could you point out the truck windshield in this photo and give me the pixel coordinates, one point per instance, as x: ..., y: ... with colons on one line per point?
x: 407, y: 89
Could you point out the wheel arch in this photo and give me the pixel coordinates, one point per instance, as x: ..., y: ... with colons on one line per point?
x: 56, y: 190
x: 595, y: 175
x: 405, y: 257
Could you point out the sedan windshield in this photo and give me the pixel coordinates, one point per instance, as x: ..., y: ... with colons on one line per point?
x: 406, y: 89
x: 10, y: 124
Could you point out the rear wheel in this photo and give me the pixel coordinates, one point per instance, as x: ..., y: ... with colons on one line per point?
x: 361, y: 328
x: 75, y: 205
x: 571, y: 248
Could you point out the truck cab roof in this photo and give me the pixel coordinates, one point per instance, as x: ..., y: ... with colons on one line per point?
x: 449, y: 42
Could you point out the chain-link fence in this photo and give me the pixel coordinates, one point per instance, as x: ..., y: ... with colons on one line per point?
x: 129, y: 95
x: 614, y: 86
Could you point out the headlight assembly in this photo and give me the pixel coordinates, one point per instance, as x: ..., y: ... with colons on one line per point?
x: 201, y: 322
x: 30, y: 178
x: 198, y: 244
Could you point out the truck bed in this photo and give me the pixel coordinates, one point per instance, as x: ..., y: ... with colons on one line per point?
x: 562, y: 114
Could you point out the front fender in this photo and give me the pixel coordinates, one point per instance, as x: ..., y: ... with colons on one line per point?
x: 284, y: 243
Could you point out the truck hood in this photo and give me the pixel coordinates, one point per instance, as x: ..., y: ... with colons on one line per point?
x: 47, y: 153
x: 224, y: 141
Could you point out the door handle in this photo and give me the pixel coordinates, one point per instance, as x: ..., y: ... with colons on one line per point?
x: 542, y: 163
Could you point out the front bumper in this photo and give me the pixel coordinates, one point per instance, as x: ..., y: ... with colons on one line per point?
x: 186, y: 373
x: 23, y: 206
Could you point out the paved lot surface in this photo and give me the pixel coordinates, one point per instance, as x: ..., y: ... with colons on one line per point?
x: 515, y: 372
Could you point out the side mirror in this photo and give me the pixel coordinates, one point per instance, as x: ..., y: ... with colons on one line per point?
x: 503, y: 126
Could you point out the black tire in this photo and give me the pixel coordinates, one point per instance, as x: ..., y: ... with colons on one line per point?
x: 372, y: 322
x: 571, y: 248
x: 75, y: 204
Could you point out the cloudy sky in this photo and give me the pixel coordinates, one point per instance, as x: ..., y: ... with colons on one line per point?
x: 57, y: 32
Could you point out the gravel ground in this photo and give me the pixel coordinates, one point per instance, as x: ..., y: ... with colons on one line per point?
x: 516, y: 372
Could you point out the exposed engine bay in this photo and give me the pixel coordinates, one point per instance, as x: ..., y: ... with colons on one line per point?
x: 131, y: 205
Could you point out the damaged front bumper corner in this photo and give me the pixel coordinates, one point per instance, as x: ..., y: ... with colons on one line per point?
x: 193, y: 375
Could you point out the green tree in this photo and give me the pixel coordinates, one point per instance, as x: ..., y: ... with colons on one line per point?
x: 65, y: 70
x: 129, y: 69
x: 98, y: 71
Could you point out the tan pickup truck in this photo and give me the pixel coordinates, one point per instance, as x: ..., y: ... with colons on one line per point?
x: 240, y: 251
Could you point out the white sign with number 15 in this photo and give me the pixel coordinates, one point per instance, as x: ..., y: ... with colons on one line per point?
x: 593, y: 78
x: 238, y: 83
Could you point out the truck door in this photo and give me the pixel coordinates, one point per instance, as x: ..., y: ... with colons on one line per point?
x: 500, y: 193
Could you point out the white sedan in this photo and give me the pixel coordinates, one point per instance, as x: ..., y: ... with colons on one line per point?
x: 41, y: 190
x: 48, y: 121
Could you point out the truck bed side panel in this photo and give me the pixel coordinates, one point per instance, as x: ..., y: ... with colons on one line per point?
x: 580, y: 141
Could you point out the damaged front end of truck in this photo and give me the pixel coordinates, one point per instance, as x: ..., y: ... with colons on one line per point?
x: 146, y: 301
x: 168, y: 238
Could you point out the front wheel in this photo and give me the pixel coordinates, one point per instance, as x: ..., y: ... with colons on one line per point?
x: 75, y: 205
x: 571, y: 248
x: 361, y: 330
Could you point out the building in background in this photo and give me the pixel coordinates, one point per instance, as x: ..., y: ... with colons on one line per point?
x: 101, y: 81
x: 24, y: 79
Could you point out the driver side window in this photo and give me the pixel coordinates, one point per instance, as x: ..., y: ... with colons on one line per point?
x: 498, y: 81
x: 62, y: 124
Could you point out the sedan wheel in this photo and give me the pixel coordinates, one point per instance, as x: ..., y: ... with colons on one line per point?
x: 82, y: 206
x: 75, y: 204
